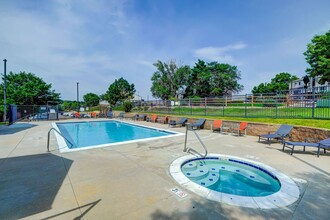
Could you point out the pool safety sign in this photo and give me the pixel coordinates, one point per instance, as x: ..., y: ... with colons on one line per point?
x: 179, y: 192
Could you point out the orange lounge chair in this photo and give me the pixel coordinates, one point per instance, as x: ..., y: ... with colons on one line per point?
x: 217, y: 125
x: 77, y: 115
x: 163, y: 120
x: 153, y: 118
x: 93, y: 114
x: 242, y: 127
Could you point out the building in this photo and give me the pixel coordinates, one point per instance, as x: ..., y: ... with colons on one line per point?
x: 298, y: 86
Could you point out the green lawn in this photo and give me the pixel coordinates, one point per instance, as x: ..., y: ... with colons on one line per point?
x: 292, y: 116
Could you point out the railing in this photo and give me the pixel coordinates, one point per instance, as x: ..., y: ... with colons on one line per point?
x: 59, y: 134
x: 188, y: 149
x: 313, y: 104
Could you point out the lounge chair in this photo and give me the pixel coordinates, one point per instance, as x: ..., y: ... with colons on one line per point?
x: 181, y: 122
x: 142, y: 117
x: 217, y: 125
x: 242, y: 127
x: 121, y: 115
x: 77, y: 115
x: 281, y: 133
x: 321, y: 144
x: 93, y: 115
x: 163, y: 120
x: 109, y: 114
x: 153, y: 118
x: 199, y: 124
x: 134, y: 117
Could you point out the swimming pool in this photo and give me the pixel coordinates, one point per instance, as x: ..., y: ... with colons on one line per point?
x: 92, y: 134
x: 235, y: 181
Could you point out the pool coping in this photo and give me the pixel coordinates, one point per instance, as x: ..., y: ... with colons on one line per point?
x: 287, y: 195
x: 63, y: 147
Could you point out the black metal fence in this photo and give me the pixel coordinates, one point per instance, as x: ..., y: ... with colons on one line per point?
x: 32, y: 112
x: 298, y: 103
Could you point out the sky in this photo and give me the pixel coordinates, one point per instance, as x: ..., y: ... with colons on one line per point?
x: 94, y: 42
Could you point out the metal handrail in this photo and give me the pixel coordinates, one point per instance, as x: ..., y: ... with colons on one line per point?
x: 185, y: 149
x: 59, y: 134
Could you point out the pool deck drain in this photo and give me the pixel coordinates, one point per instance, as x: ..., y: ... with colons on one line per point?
x: 132, y: 181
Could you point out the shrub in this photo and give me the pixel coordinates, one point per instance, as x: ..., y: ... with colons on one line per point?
x: 127, y: 106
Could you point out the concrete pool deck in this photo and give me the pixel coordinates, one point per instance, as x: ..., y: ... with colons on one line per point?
x: 132, y: 181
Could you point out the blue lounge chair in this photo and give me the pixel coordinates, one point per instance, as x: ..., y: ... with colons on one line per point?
x: 181, y: 122
x: 121, y: 115
x: 109, y: 114
x: 321, y: 144
x: 142, y: 117
x: 199, y: 124
x: 281, y: 133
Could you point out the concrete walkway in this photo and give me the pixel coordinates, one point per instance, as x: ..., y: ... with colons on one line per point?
x: 132, y: 181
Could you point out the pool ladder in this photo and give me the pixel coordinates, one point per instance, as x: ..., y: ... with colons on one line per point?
x: 190, y: 150
x: 53, y: 129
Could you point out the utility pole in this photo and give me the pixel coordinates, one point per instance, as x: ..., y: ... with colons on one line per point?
x: 4, y: 93
x: 78, y: 95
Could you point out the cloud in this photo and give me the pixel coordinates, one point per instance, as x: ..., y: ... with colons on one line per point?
x: 220, y: 54
x: 146, y: 63
x: 58, y: 46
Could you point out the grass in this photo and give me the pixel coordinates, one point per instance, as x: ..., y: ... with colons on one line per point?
x: 292, y: 116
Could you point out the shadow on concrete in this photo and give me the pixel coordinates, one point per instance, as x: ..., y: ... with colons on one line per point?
x: 91, y: 205
x: 214, y: 210
x: 314, y: 198
x: 5, y: 130
x: 29, y: 184
x: 311, y: 165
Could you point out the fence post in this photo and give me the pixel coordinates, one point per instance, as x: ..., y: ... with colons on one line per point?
x: 223, y: 107
x: 276, y: 103
x: 313, y: 105
x: 190, y: 106
x: 205, y: 106
x: 245, y: 104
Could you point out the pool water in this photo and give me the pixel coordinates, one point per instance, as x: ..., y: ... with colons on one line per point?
x: 231, y: 176
x: 91, y: 133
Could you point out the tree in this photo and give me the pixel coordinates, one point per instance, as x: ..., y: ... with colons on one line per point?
x: 200, y: 79
x: 28, y: 89
x: 306, y: 81
x: 120, y: 90
x: 224, y: 79
x: 279, y: 82
x: 168, y: 79
x: 212, y: 79
x: 318, y: 57
x: 261, y: 88
x: 91, y: 99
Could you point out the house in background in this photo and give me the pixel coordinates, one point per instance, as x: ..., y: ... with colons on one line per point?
x: 297, y: 87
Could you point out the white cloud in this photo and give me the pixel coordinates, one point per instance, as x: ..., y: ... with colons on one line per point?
x: 60, y: 48
x: 146, y: 63
x: 220, y: 54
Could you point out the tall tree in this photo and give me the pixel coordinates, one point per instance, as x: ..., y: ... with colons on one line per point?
x: 28, y: 89
x: 91, y: 99
x: 120, y: 90
x: 200, y: 79
x: 279, y: 82
x: 224, y: 79
x: 213, y: 79
x: 318, y: 57
x: 168, y: 79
